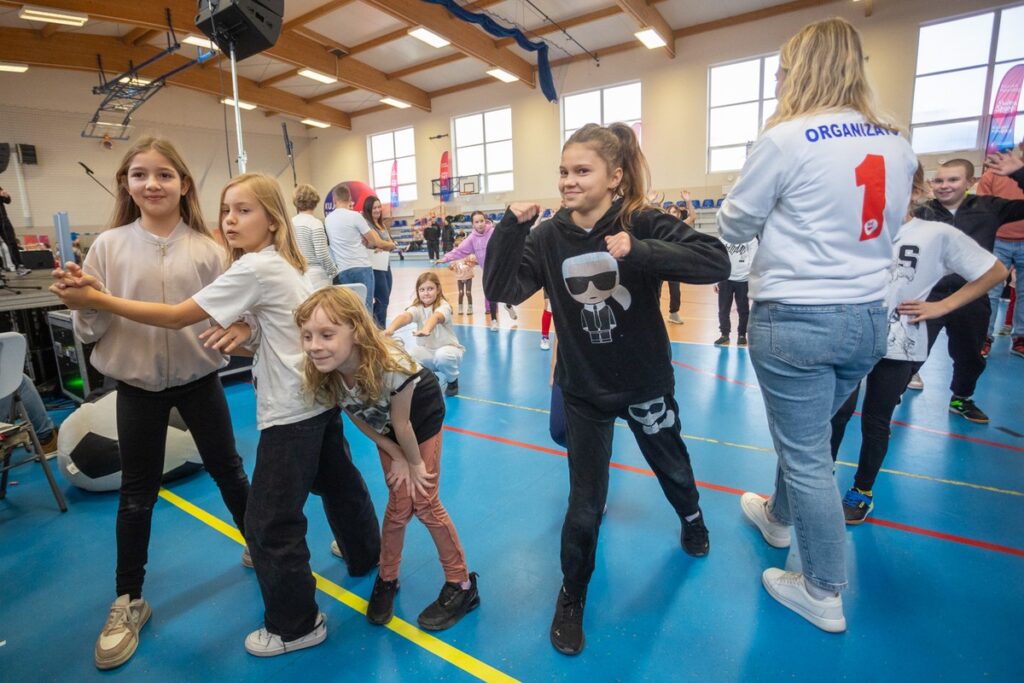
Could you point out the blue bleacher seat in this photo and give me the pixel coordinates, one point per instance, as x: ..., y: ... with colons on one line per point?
x: 719, y: 202
x: 665, y: 205
x: 696, y: 203
x: 707, y: 204
x: 681, y: 203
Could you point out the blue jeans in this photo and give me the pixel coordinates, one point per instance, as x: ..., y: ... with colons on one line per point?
x: 1011, y: 254
x: 33, y: 403
x: 382, y: 280
x: 363, y: 276
x: 808, y: 360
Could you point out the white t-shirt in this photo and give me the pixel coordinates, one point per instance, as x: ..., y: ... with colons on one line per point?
x: 345, y: 229
x: 442, y: 334
x: 268, y: 287
x: 741, y: 256
x: 924, y: 253
x: 826, y: 193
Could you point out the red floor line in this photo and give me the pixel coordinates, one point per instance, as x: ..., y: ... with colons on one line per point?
x: 920, y: 531
x: 898, y: 423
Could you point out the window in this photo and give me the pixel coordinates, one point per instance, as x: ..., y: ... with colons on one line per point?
x: 741, y: 97
x: 618, y: 103
x: 960, y: 64
x: 483, y: 145
x: 385, y: 149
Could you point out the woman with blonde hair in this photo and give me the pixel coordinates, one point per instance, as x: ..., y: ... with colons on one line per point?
x: 312, y: 238
x: 825, y: 189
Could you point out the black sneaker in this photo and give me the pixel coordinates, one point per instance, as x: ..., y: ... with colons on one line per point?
x: 452, y: 389
x: 965, y: 407
x: 381, y: 608
x: 451, y: 605
x: 741, y: 340
x: 567, y: 626
x: 695, y: 537
x: 722, y: 341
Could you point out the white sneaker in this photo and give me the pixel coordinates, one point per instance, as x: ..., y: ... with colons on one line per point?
x: 755, y: 508
x: 916, y: 383
x: 469, y: 309
x: 262, y: 643
x: 545, y: 343
x: 120, y: 635
x: 1004, y: 331
x: 335, y: 550
x: 675, y: 318
x: 22, y: 271
x: 246, y: 557
x: 461, y: 310
x: 789, y: 589
x: 494, y: 326
x: 512, y: 311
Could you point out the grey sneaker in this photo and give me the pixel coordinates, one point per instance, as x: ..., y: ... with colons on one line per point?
x: 263, y: 643
x: 675, y: 318
x: 916, y: 383
x: 120, y: 635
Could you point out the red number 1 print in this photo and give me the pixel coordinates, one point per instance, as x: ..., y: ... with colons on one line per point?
x: 871, y: 176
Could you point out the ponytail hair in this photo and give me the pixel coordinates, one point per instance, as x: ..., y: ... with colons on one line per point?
x: 618, y: 147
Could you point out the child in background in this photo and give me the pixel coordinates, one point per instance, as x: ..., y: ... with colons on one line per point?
x: 437, y: 349
x: 476, y: 244
x: 463, y: 270
x: 302, y: 447
x: 398, y: 405
x: 735, y: 288
x: 158, y: 248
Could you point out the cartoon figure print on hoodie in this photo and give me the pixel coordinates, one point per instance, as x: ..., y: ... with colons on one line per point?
x: 592, y: 279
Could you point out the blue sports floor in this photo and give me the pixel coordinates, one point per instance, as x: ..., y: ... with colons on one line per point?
x: 936, y: 577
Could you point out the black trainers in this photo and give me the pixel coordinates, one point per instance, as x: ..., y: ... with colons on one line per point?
x: 722, y: 341
x: 695, y: 537
x: 741, y: 340
x: 567, y: 626
x: 452, y: 389
x: 965, y: 408
x: 381, y: 608
x: 451, y: 605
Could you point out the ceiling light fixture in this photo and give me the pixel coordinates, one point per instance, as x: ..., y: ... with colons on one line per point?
x: 50, y: 16
x: 428, y: 37
x: 650, y: 38
x: 13, y: 68
x: 317, y: 76
x: 502, y: 75
x: 200, y: 42
x: 398, y: 104
x: 315, y: 123
x: 241, y: 105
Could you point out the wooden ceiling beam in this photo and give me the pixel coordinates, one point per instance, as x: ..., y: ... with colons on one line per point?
x: 423, y: 66
x: 273, y: 80
x: 48, y: 30
x: 647, y: 16
x: 314, y: 14
x: 468, y: 39
x: 133, y: 35
x: 78, y: 52
x: 328, y: 95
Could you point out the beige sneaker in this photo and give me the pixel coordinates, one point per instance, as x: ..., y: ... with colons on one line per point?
x: 120, y: 635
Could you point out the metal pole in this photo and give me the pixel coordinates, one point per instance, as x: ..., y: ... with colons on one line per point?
x: 242, y: 158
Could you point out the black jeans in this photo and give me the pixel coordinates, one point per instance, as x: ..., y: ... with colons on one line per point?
x: 673, y: 297
x: 727, y: 291
x: 142, y: 438
x: 966, y: 329
x: 292, y: 461
x: 432, y: 250
x: 589, y: 435
x: 885, y: 385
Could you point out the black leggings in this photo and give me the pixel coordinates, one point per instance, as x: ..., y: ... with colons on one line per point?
x: 885, y: 385
x: 142, y: 437
x: 466, y: 288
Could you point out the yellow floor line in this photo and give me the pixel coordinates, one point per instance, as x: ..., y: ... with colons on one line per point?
x: 763, y: 449
x: 435, y: 646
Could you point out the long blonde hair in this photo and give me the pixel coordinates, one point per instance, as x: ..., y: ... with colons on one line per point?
x: 824, y: 67
x: 377, y: 351
x: 618, y: 148
x: 125, y: 209
x: 267, y: 192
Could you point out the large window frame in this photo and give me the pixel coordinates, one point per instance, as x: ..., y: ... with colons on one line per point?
x: 382, y: 149
x: 728, y: 153
x: 486, y: 149
x: 605, y: 114
x: 927, y: 131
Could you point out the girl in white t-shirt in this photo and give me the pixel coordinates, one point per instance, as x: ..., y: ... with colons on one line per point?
x: 924, y: 252
x: 437, y: 349
x: 302, y: 448
x: 398, y: 405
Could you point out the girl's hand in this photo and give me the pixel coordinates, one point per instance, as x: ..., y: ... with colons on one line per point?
x: 619, y: 245
x: 398, y: 475
x: 75, y: 298
x: 389, y: 332
x: 1003, y: 164
x: 524, y: 211
x: 422, y: 332
x: 72, y: 275
x: 420, y: 478
x: 922, y: 310
x: 686, y: 197
x: 226, y: 340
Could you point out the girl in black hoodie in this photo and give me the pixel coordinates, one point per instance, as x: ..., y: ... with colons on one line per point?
x: 602, y: 259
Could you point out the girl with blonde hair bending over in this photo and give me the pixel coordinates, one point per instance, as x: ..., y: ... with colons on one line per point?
x: 825, y: 189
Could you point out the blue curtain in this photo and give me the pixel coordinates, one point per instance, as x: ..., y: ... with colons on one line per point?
x: 547, y: 84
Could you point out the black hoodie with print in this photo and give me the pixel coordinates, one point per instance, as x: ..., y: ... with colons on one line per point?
x: 613, y: 349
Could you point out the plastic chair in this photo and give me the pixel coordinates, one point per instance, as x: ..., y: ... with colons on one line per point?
x: 696, y: 203
x: 357, y: 287
x: 666, y: 204
x: 20, y: 432
x: 718, y: 204
x: 681, y: 203
x: 707, y: 204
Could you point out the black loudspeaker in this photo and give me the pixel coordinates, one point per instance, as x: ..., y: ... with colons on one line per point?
x: 5, y: 155
x: 27, y: 155
x: 252, y: 25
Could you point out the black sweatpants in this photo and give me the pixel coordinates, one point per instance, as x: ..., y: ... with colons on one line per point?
x: 432, y: 250
x: 655, y: 425
x: 142, y: 439
x: 966, y: 328
x: 673, y: 297
x: 729, y: 290
x: 885, y: 385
